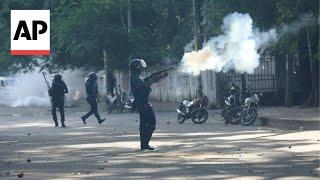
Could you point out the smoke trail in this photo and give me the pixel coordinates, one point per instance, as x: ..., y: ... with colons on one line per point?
x: 302, y: 21
x: 237, y: 48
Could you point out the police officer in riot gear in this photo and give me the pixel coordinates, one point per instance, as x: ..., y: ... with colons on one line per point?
x: 141, y: 91
x: 92, y: 98
x: 57, y: 91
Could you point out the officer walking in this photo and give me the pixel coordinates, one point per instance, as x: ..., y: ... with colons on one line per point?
x: 57, y: 91
x: 141, y: 91
x: 92, y: 98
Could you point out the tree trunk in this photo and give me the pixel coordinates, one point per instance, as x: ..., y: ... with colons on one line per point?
x: 289, y: 82
x: 311, y: 98
x: 196, y: 40
x: 105, y: 60
x: 195, y: 25
x: 129, y: 16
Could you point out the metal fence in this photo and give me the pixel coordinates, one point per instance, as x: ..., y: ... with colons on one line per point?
x: 263, y: 80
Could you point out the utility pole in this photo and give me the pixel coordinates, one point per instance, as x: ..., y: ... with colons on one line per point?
x: 243, y: 86
x: 129, y: 21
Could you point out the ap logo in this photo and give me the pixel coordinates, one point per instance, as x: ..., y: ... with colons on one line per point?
x: 30, y: 32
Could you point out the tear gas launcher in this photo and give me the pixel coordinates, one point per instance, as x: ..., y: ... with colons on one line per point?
x: 47, y: 82
x: 157, y: 76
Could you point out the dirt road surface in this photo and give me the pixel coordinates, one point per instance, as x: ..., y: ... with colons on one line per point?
x: 33, y: 149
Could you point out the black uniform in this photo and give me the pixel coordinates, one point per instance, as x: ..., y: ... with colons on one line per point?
x: 57, y: 91
x: 92, y: 94
x: 147, y: 117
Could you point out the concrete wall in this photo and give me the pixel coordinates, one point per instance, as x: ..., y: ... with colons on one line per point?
x: 177, y: 87
x: 209, y: 81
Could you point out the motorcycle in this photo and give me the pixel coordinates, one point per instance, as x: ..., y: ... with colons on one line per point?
x: 194, y: 110
x: 116, y: 102
x: 245, y: 114
x: 230, y: 111
x: 249, y: 111
x: 129, y: 105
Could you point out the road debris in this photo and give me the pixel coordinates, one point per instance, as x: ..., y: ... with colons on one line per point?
x: 20, y: 175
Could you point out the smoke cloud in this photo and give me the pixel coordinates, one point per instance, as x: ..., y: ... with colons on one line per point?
x: 302, y: 21
x: 237, y: 48
x: 30, y: 89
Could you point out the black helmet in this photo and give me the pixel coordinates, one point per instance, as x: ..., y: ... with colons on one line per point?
x: 93, y: 76
x: 137, y: 64
x: 57, y: 76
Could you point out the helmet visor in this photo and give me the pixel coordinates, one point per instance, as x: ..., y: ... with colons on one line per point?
x: 143, y: 63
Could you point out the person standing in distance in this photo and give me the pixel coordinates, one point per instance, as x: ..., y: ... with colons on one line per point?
x: 57, y: 91
x: 92, y: 98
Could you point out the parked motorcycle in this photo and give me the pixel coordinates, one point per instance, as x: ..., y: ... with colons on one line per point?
x: 249, y: 111
x: 231, y: 113
x: 245, y: 114
x: 116, y: 102
x: 129, y: 105
x: 194, y: 110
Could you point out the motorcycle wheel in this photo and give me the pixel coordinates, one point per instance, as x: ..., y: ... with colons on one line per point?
x: 226, y: 116
x: 199, y: 116
x: 181, y: 119
x: 248, y: 117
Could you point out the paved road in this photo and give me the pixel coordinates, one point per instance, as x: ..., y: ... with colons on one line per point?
x: 184, y: 151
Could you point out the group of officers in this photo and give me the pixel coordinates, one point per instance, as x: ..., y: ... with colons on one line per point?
x: 140, y: 89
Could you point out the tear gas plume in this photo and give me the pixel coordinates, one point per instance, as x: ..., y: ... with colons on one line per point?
x: 236, y: 49
x: 29, y: 89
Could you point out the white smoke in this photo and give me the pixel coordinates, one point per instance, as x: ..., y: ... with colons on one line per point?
x: 189, y: 47
x: 237, y: 48
x: 302, y: 21
x: 30, y: 89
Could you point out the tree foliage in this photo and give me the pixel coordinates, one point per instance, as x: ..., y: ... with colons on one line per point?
x: 81, y: 29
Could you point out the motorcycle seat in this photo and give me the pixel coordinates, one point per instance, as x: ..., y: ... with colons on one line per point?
x: 187, y: 103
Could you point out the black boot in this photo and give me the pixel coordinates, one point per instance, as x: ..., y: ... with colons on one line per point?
x: 143, y: 144
x: 100, y: 121
x: 83, y: 120
x: 63, y: 125
x: 144, y: 141
x: 148, y: 138
x: 56, y: 123
x: 147, y: 148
